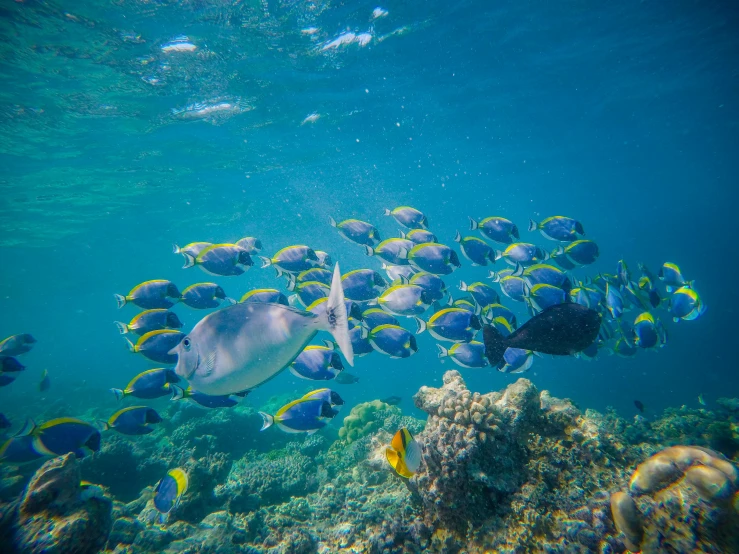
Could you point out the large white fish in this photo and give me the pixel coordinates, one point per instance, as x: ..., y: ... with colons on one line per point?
x: 240, y: 347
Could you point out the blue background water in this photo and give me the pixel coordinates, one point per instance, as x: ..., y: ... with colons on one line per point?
x: 622, y: 115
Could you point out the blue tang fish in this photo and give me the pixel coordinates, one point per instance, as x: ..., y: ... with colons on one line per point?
x: 149, y: 295
x: 308, y: 292
x: 516, y: 360
x: 153, y: 383
x: 157, y: 345
x: 393, y: 341
x: 221, y: 259
x: 207, y: 401
x: 542, y: 296
x: 318, y: 363
x: 482, y: 293
x: 409, y: 217
x: 360, y: 341
x: 685, y: 303
x: 465, y: 354
x: 558, y: 227
x: 305, y: 415
x: 292, y: 259
x: 672, y: 277
x: 326, y: 395
x: 8, y: 364
x: 362, y: 284
x: 510, y: 285
x: 270, y: 296
x: 17, y: 345
x: 150, y: 320
x: 134, y: 420
x: 614, y: 301
x: 314, y: 274
x: 475, y: 250
x: 357, y: 231
x: 204, y: 296
x: 544, y: 274
x: 393, y: 251
x: 432, y: 284
x: 192, y: 249
x: 374, y: 317
x: 452, y: 324
x: 580, y: 252
x: 522, y: 253
x: 61, y: 436
x: 498, y: 229
x: 405, y: 300
x: 250, y: 244
x: 419, y: 236
x: 434, y: 258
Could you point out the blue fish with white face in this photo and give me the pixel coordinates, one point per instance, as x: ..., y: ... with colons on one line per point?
x: 205, y: 400
x: 357, y: 231
x: 545, y: 274
x: 134, y: 420
x: 362, y: 284
x: 510, y: 285
x: 558, y: 227
x: 542, y: 296
x: 393, y: 341
x: 466, y: 303
x: 305, y: 415
x: 250, y: 244
x: 150, y: 295
x: 559, y: 257
x: 169, y: 491
x: 498, y: 229
x: 419, y: 236
x: 579, y: 295
x: 409, y: 217
x: 17, y: 345
x: 150, y: 320
x: 153, y: 383
x: 434, y: 258
x: 393, y: 251
x: 465, y: 354
x: 634, y: 297
x: 292, y: 259
x: 317, y: 363
x: 405, y: 300
x: 522, y: 253
x: 374, y: 317
x: 475, y: 250
x: 686, y: 304
x: 432, y: 284
x: 614, y: 301
x: 220, y: 259
x: 452, y: 324
x: 516, y: 360
x: 156, y: 345
x: 268, y: 296
x: 204, y: 296
x: 672, y: 277
x: 482, y: 293
x: 580, y: 252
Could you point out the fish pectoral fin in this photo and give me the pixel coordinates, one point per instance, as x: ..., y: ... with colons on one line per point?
x: 210, y: 362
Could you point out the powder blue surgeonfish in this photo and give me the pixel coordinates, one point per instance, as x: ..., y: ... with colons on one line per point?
x: 545, y: 274
x: 466, y: 303
x: 405, y: 300
x: 409, y: 217
x: 357, y: 231
x: 394, y: 251
x: 374, y: 317
x: 326, y: 395
x: 482, y: 293
x: 614, y: 301
x: 150, y: 320
x: 58, y: 437
x: 240, y: 347
x: 6, y: 379
x: 495, y: 310
x: 558, y: 227
x: 648, y: 332
x: 134, y: 420
x: 169, y: 491
x: 204, y: 296
x: 207, y: 401
x: 8, y: 364
x: 221, y: 259
x: 395, y: 272
x: 522, y: 253
x: 672, y: 277
x: 580, y: 252
x: 149, y: 295
x: 307, y: 292
x: 292, y: 259
x: 432, y: 284
x: 304, y: 415
x: 510, y: 285
x: 362, y: 284
x: 452, y: 324
x: 418, y: 236
x: 317, y: 363
x: 393, y: 341
x: 516, y: 360
x: 686, y: 303
x: 250, y: 244
x: 360, y: 340
x: 156, y: 345
x: 153, y: 383
x: 270, y: 296
x: 648, y: 283
x: 465, y: 354
x: 498, y: 229
x: 324, y: 259
x: 542, y: 296
x: 476, y: 250
x: 434, y: 258
x: 314, y: 274
x: 17, y: 345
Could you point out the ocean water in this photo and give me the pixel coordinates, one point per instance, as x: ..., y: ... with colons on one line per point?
x: 622, y: 115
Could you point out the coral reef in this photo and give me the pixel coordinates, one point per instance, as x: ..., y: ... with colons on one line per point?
x: 365, y: 419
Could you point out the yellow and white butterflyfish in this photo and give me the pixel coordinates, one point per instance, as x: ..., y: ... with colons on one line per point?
x: 404, y: 454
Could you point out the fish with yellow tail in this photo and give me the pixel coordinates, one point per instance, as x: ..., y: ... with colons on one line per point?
x: 404, y: 454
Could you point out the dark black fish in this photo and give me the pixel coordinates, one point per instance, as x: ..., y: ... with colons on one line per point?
x: 639, y: 405
x: 4, y: 422
x: 346, y: 378
x: 562, y: 330
x: 10, y: 364
x: 392, y: 400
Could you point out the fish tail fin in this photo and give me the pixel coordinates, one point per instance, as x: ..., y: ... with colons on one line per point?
x: 267, y: 420
x: 119, y: 394
x: 369, y: 250
x: 518, y: 271
x: 178, y: 393
x: 498, y: 255
x: 473, y: 224
x: 266, y: 262
x: 420, y: 325
x: 533, y: 225
x: 103, y: 425
x: 402, y: 234
x: 443, y: 352
x: 547, y: 255
x: 457, y: 237
x: 121, y: 300
x: 122, y: 327
x: 189, y: 260
x: 495, y: 344
x: 176, y: 249
x: 336, y: 317
x: 331, y: 221
x: 131, y: 346
x: 403, y: 254
x: 387, y: 212
x: 494, y: 276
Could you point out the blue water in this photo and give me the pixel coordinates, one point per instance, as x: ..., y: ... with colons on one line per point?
x: 621, y: 114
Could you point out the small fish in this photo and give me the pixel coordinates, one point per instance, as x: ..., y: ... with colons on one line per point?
x: 409, y: 217
x: 310, y: 118
x: 204, y: 296
x: 395, y: 272
x: 193, y: 249
x: 434, y: 258
x: 362, y: 284
x: 150, y: 320
x: 327, y: 395
x: 639, y: 405
x: 63, y: 435
x: 452, y: 324
x: 393, y: 341
x: 465, y: 303
x: 220, y: 259
x: 476, y: 250
x: 250, y: 244
x: 8, y: 364
x: 317, y: 363
x: 179, y: 44
x: 432, y: 284
x: 647, y: 283
x: 313, y: 274
x: 305, y: 415
x: 392, y: 400
x: 510, y: 285
x: 374, y: 317
x: 672, y: 277
x: 634, y: 297
x: 169, y: 491
x: 308, y: 292
x: 580, y: 295
x: 156, y: 345
x: 545, y: 274
x: 405, y: 300
x: 686, y: 304
x: 151, y: 295
x: 522, y: 253
x: 558, y: 227
x: 404, y: 454
x: 240, y: 347
x: 153, y: 383
x: 394, y: 251
x: 346, y: 378
x: 359, y: 337
x: 357, y: 231
x: 701, y: 400
x: 623, y: 273
x: 134, y: 420
x: 465, y: 354
x: 614, y: 301
x: 292, y: 259
x: 207, y: 401
x: 559, y: 257
x: 516, y: 360
x: 418, y: 236
x: 45, y: 381
x: 498, y: 229
x: 580, y: 252
x: 17, y: 345
x: 542, y: 296
x: 270, y: 296
x: 495, y: 310
x: 560, y: 330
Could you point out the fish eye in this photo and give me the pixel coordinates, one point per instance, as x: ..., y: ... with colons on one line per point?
x: 186, y: 343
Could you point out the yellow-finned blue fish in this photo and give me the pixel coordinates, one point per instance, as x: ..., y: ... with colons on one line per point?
x: 394, y: 251
x: 516, y: 360
x: 328, y: 395
x: 648, y: 332
x: 475, y: 250
x: 250, y: 244
x: 62, y: 435
x: 409, y: 217
x: 153, y: 383
x: 304, y: 415
x: 204, y: 296
x: 292, y: 259
x: 498, y: 229
x: 270, y: 296
x: 307, y: 293
x: 220, y: 259
x: 324, y: 259
x: 418, y: 236
x: 206, y: 401
x: 404, y: 454
x: 465, y: 354
x: 405, y: 300
x: 580, y: 252
x: 357, y: 231
x: 672, y: 277
x: 451, y: 324
x: 483, y: 293
x: 317, y: 363
x: 558, y: 227
x: 432, y: 284
x: 542, y: 296
x: 434, y: 258
x: 17, y: 345
x: 686, y: 303
x: 522, y: 253
x: 150, y: 320
x: 314, y: 274
x: 510, y: 285
x: 393, y: 341
x: 169, y: 491
x: 362, y: 284
x: 134, y: 420
x: 45, y: 382
x: 150, y: 295
x: 156, y: 345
